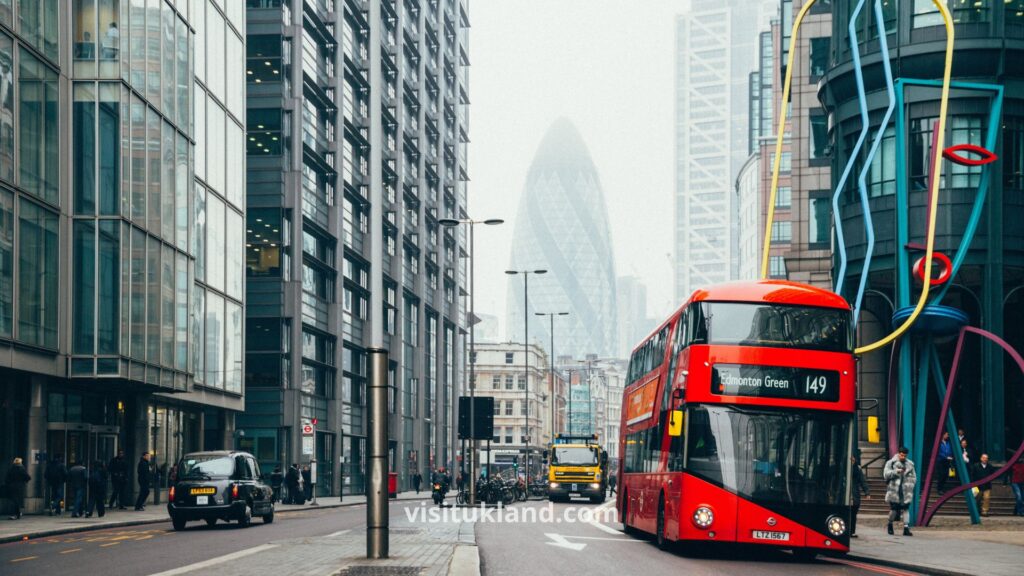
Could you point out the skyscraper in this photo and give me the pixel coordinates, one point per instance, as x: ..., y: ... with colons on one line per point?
x: 121, y: 257
x: 716, y: 49
x: 358, y: 146
x: 562, y: 226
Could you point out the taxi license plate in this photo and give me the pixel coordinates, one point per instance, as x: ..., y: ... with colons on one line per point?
x: 206, y: 490
x: 773, y: 536
x: 202, y: 500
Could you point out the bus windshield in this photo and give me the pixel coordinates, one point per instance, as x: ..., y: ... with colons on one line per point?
x: 771, y: 455
x: 776, y: 325
x: 574, y: 456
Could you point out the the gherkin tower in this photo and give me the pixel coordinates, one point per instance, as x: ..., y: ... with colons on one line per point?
x: 562, y: 226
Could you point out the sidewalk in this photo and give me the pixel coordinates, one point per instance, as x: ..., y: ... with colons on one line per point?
x: 993, y: 550
x: 427, y: 549
x: 40, y: 525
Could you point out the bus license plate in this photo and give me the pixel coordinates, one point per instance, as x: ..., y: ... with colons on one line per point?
x: 773, y: 536
x: 573, y: 489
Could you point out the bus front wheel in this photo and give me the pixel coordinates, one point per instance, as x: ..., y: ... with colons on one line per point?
x: 659, y: 535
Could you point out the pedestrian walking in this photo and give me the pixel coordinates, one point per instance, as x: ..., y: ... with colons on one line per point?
x: 965, y: 453
x: 307, y: 484
x: 56, y: 475
x: 291, y: 480
x: 417, y: 479
x: 860, y: 488
x: 17, y: 482
x: 78, y: 482
x: 276, y: 481
x: 117, y: 470
x: 613, y: 482
x: 98, y: 482
x: 900, y: 478
x: 144, y: 476
x: 982, y: 469
x: 460, y: 480
x: 1017, y: 484
x: 944, y: 462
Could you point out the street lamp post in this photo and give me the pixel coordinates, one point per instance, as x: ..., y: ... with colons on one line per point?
x: 452, y: 222
x: 526, y: 354
x: 551, y: 373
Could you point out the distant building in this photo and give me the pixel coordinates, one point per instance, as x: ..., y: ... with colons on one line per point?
x: 562, y: 226
x: 633, y: 323
x: 748, y: 204
x: 487, y: 329
x: 716, y: 49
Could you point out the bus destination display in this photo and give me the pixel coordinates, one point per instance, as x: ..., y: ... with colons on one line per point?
x: 775, y: 382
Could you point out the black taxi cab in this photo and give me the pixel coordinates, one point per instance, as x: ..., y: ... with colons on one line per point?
x: 220, y: 485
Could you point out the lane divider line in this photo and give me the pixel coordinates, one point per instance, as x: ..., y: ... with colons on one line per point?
x: 216, y: 561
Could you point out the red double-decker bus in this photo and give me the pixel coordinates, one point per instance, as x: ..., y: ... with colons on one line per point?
x: 738, y: 419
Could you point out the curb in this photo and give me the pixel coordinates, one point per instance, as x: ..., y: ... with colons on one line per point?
x: 906, y: 566
x: 465, y: 561
x: 124, y: 523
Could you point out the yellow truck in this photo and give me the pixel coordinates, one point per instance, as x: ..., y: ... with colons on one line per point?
x: 577, y: 466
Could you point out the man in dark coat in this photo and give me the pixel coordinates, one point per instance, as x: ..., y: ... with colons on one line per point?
x: 56, y: 474
x: 860, y: 487
x: 307, y: 484
x: 291, y: 481
x: 144, y: 476
x: 118, y: 471
x: 276, y: 481
x: 981, y: 470
x: 97, y: 489
x: 16, y: 481
x: 78, y: 481
x: 417, y: 479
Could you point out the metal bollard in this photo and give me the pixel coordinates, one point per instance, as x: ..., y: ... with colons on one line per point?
x: 377, y: 491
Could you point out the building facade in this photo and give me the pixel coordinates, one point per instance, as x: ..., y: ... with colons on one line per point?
x: 501, y: 374
x: 358, y: 147
x: 633, y: 323
x: 989, y: 35
x: 562, y: 226
x: 121, y: 265
x: 716, y: 49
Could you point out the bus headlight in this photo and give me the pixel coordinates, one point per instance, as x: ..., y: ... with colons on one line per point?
x: 836, y: 525
x: 553, y: 485
x: 703, y: 517
x: 595, y: 486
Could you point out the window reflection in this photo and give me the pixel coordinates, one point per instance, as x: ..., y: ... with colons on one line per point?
x: 263, y: 62
x: 264, y: 136
x: 263, y: 243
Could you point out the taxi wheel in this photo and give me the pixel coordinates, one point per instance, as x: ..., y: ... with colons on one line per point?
x: 211, y: 521
x: 246, y: 518
x: 178, y: 523
x: 268, y: 518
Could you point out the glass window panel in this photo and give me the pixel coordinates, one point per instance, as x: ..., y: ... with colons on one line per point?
x: 184, y: 74
x: 198, y: 323
x: 214, y: 340
x: 263, y: 242
x: 84, y: 288
x: 819, y: 136
x: 215, y: 242
x: 38, y: 131
x: 214, y: 52
x: 181, y: 312
x: 126, y: 288
x: 152, y: 300
x: 926, y: 14
x: 109, y: 37
x: 138, y: 161
x: 198, y: 21
x: 155, y: 162
x: 215, y: 147
x: 108, y: 287
x: 819, y: 57
x: 167, y: 65
x: 84, y: 149
x: 264, y: 129
x: 167, y: 215
x: 109, y: 140
x: 235, y: 78
x: 236, y: 14
x: 125, y: 37
x: 38, y: 275
x: 199, y: 233
x: 820, y: 220
x: 6, y: 263
x: 153, y: 45
x: 84, y: 43
x: 137, y: 43
x: 200, y: 133
x: 182, y: 181
x: 233, y: 348
x: 38, y: 19
x: 138, y: 297
x: 236, y: 164
x: 126, y: 153
x: 7, y: 12
x: 263, y: 62
x: 167, y: 306
x: 6, y: 107
x: 235, y: 255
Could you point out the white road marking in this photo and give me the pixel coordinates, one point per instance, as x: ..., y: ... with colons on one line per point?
x: 338, y: 533
x: 599, y: 514
x: 561, y: 542
x: 215, y: 561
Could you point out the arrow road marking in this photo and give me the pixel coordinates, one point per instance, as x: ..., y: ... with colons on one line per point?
x: 561, y: 542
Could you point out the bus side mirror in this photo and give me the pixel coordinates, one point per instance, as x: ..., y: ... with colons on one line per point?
x: 675, y: 423
x: 867, y: 403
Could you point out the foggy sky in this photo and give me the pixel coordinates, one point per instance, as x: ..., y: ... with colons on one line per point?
x: 607, y: 65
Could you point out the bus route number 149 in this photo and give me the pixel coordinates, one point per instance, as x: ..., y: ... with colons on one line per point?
x: 816, y: 385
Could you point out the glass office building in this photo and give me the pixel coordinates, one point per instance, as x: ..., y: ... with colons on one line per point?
x: 121, y: 258
x: 357, y: 115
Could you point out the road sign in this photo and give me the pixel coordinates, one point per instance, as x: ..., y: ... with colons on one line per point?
x: 307, y: 445
x: 307, y: 429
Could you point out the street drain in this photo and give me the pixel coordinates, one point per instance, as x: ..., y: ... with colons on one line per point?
x: 381, y: 571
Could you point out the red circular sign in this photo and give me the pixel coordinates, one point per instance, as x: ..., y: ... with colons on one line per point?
x: 307, y: 429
